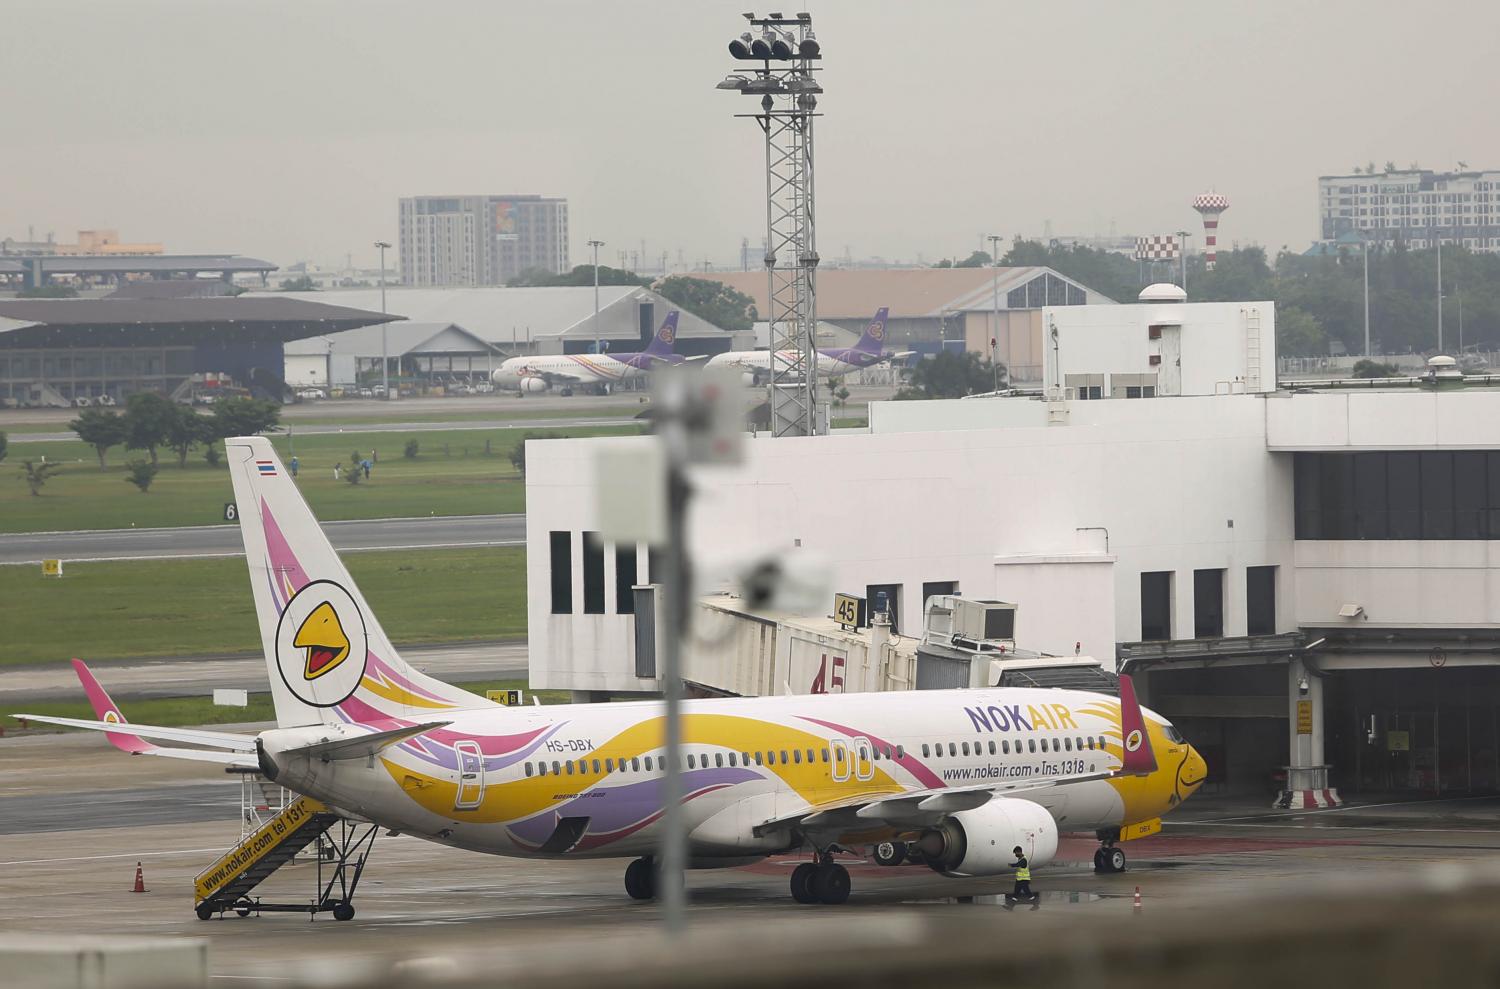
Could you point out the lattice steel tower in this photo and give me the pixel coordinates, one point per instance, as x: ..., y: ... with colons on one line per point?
x: 788, y: 53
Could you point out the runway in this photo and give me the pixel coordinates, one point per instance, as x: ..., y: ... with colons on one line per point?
x: 186, y: 676
x: 224, y: 540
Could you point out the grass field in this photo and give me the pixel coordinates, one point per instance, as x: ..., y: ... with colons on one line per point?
x: 519, y: 416
x: 173, y: 712
x: 146, y: 608
x: 456, y: 472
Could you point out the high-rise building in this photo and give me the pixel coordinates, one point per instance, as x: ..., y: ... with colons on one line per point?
x: 481, y: 240
x: 1414, y: 206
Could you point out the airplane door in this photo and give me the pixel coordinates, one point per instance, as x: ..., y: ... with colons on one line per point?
x: 470, y: 776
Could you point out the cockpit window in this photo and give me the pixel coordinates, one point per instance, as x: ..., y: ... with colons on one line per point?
x: 1173, y: 735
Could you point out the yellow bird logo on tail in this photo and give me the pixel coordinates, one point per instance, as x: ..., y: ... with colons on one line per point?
x: 323, y: 637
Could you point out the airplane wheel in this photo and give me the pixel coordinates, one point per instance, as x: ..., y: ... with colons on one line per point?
x: 831, y: 884
x: 204, y: 911
x: 802, y: 883
x: 1114, y: 858
x: 243, y: 908
x: 344, y: 911
x: 1099, y: 864
x: 889, y: 853
x: 640, y: 879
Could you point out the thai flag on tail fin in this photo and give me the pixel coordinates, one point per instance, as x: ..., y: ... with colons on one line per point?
x: 267, y: 468
x: 1139, y: 759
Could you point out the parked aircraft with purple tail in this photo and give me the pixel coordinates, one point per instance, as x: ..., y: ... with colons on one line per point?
x: 868, y: 351
x: 599, y: 372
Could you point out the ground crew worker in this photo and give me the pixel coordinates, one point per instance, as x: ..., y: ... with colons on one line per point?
x: 1023, y: 874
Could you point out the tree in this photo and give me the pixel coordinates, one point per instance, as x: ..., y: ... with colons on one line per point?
x: 976, y: 260
x: 518, y: 454
x: 1374, y: 369
x: 141, y: 474
x: 244, y: 417
x: 49, y: 291
x: 147, y: 418
x: 100, y: 430
x: 710, y: 300
x: 1298, y: 334
x: 302, y: 283
x: 185, y: 430
x: 1113, y: 275
x: 952, y: 374
x: 35, y: 474
x: 583, y: 274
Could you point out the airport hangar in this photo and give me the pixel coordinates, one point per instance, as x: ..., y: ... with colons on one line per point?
x: 38, y: 270
x: 62, y: 351
x: 1307, y: 583
x: 934, y: 308
x: 465, y: 331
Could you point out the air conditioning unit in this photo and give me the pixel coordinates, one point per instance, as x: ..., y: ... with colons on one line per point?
x: 984, y: 621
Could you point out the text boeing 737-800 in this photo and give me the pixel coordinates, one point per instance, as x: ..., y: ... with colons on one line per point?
x: 957, y: 778
x: 599, y: 371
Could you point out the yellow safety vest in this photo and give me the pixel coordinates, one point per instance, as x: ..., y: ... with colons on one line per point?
x: 1023, y: 874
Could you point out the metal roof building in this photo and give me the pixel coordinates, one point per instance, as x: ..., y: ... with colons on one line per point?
x: 35, y: 270
x: 545, y: 320
x: 935, y: 307
x: 435, y: 351
x: 59, y: 351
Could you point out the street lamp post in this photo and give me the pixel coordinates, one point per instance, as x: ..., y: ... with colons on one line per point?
x: 598, y: 342
x: 1439, y: 235
x: 385, y: 362
x: 1365, y: 249
x: 994, y: 240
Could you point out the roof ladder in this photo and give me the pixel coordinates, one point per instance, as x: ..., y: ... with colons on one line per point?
x: 1252, y: 349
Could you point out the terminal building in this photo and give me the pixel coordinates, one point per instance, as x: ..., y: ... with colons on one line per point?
x: 1304, y: 582
x: 64, y: 352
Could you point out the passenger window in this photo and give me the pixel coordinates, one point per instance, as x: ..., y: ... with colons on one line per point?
x: 583, y: 767
x: 1068, y: 744
x: 648, y: 763
x: 925, y: 753
x: 758, y: 761
x: 952, y: 749
x: 719, y: 760
x: 541, y: 769
x: 900, y: 752
x: 888, y: 753
x: 609, y: 765
x: 528, y: 769
x: 992, y: 746
x: 635, y: 765
x: 825, y: 755
x: 570, y: 768
x: 810, y: 757
x: 1005, y: 746
x: 733, y: 759
x: 783, y: 757
x: 1044, y: 745
x: 691, y: 763
x: 797, y: 756
x: 1031, y: 745
x: 1091, y: 743
x: 966, y: 748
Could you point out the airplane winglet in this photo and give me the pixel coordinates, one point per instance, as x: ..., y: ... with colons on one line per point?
x: 105, y: 709
x: 1139, y: 759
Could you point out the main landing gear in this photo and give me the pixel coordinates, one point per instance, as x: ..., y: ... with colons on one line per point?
x: 1110, y: 857
x: 640, y: 879
x: 890, y: 853
x: 822, y: 882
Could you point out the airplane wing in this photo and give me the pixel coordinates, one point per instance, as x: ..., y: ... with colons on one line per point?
x: 557, y: 377
x: 111, y: 720
x: 910, y: 806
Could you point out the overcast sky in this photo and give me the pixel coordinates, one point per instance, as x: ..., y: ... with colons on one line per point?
x: 287, y: 129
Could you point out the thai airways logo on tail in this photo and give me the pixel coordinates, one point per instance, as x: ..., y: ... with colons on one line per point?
x: 666, y: 337
x: 872, y: 340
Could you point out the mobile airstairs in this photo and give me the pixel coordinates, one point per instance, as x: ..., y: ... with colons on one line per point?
x: 275, y: 828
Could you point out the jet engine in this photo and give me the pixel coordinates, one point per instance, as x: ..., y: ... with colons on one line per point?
x: 979, y: 842
x: 748, y: 379
x: 533, y: 385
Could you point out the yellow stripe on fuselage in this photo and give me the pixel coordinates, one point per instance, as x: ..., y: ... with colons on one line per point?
x: 522, y: 798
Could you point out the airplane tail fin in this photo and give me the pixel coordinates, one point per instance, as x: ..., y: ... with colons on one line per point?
x: 665, y: 341
x: 328, y: 659
x: 105, y: 709
x: 1139, y: 759
x: 872, y: 340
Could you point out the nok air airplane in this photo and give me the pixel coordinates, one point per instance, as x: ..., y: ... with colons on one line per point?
x: 955, y: 779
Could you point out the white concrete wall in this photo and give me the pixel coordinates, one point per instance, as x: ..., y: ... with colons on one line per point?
x: 1385, y: 420
x: 1165, y: 478
x: 1215, y: 344
x: 307, y: 370
x: 1400, y: 583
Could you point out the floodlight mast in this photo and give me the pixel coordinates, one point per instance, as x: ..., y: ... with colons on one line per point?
x: 787, y: 49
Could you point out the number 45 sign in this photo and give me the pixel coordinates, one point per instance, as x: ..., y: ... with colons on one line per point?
x: 826, y: 683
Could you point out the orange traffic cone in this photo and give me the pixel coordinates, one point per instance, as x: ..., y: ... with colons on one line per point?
x: 1137, y: 898
x: 140, y: 880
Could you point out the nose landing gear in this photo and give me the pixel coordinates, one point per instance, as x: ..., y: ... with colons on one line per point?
x: 1110, y: 857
